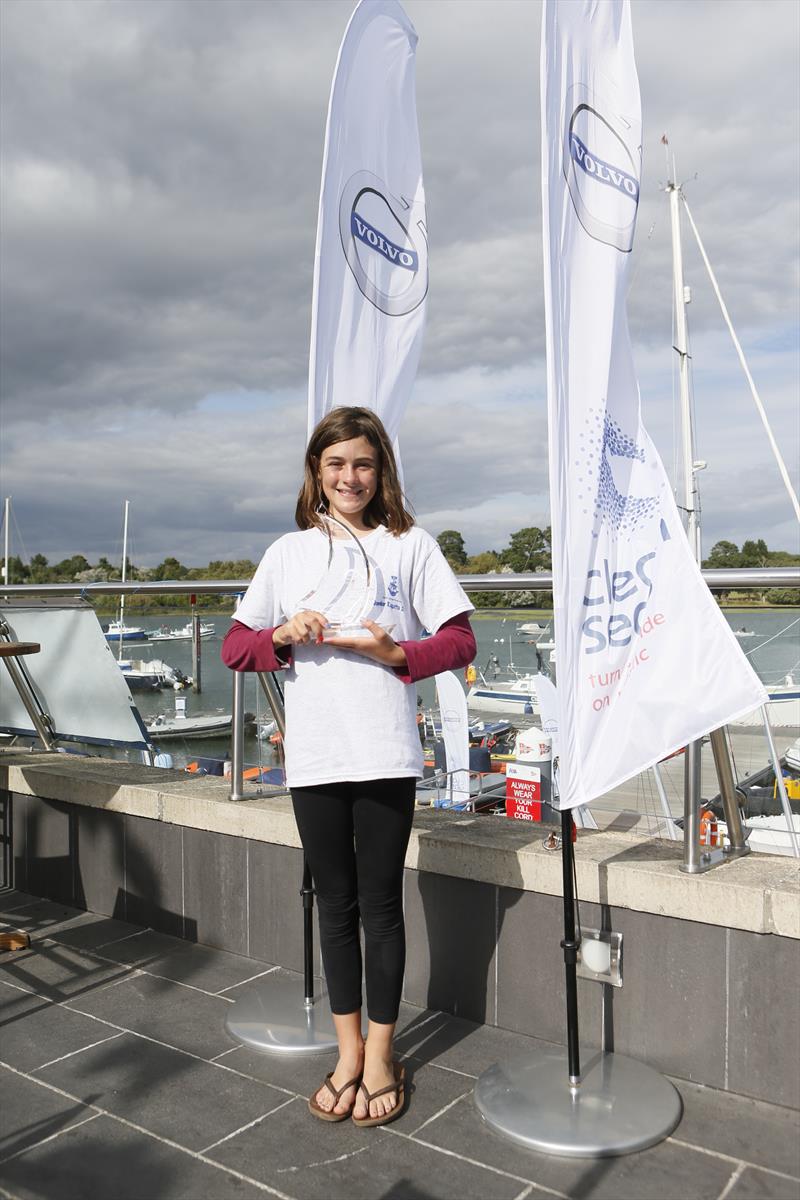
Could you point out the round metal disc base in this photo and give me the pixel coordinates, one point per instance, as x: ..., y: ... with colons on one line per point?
x: 620, y: 1105
x: 270, y: 1016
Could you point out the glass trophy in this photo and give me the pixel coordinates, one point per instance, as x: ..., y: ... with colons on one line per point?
x: 346, y: 592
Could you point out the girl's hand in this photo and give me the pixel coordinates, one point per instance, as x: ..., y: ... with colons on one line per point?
x: 303, y: 627
x: 379, y: 647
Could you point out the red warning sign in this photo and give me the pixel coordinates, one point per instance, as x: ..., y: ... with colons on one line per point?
x: 523, y: 792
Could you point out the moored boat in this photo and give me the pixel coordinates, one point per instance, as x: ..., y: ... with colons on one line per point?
x: 151, y: 674
x: 184, y: 634
x: 161, y: 728
x: 117, y: 631
x: 510, y: 696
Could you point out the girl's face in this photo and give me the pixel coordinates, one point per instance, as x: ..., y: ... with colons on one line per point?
x: 348, y: 476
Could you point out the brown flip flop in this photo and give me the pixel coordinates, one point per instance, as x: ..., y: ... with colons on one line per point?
x: 398, y: 1086
x: 323, y: 1114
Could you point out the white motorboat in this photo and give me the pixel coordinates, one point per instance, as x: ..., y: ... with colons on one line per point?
x: 514, y: 695
x: 533, y: 630
x: 770, y: 835
x: 783, y: 707
x: 162, y: 728
x: 184, y: 634
x: 151, y: 674
x: 118, y: 631
x: 763, y: 816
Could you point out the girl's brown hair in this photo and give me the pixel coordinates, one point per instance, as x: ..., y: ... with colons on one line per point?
x: 387, y: 506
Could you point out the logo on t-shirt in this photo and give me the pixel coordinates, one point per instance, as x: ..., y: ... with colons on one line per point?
x: 387, y: 595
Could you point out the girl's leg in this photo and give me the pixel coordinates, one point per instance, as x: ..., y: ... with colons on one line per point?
x: 324, y: 818
x: 383, y: 811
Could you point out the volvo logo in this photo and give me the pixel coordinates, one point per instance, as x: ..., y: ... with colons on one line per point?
x: 384, y: 240
x: 602, y: 163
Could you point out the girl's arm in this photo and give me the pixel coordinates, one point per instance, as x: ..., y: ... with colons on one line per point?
x: 452, y: 646
x: 245, y: 649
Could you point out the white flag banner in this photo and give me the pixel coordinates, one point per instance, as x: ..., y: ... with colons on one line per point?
x: 455, y: 732
x: 646, y: 661
x: 371, y: 265
x: 547, y: 695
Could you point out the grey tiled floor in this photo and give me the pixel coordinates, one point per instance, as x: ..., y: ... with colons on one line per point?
x: 118, y: 1082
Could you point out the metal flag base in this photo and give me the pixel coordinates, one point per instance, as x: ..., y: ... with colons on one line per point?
x: 273, y: 1017
x: 619, y: 1106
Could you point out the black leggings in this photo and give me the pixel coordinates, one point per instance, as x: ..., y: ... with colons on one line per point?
x: 355, y: 836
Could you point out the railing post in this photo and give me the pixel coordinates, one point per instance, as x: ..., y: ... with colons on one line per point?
x: 727, y: 790
x: 237, y: 737
x: 691, y: 809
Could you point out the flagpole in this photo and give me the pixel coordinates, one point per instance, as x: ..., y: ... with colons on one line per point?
x: 570, y: 946
x: 590, y: 190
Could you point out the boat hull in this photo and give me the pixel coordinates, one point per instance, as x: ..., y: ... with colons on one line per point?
x: 495, y: 700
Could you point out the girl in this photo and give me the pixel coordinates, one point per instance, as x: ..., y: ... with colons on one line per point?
x: 353, y: 752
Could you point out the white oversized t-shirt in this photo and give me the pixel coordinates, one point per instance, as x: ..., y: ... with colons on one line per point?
x: 348, y: 717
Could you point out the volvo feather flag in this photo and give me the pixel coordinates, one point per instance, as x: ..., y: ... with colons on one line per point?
x: 646, y: 660
x: 371, y: 266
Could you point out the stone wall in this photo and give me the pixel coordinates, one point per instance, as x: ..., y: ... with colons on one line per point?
x: 701, y: 999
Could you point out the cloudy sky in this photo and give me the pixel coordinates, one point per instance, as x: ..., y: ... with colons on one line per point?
x: 160, y: 181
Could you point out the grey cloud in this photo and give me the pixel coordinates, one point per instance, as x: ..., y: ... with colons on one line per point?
x: 160, y: 189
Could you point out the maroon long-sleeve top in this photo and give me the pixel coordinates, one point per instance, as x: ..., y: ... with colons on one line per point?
x: 452, y: 646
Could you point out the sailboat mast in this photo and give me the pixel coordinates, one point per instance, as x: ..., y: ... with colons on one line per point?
x: 7, y: 540
x: 124, y: 571
x: 691, y: 499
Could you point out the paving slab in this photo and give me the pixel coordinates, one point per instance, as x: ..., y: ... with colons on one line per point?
x: 166, y: 1092
x: 158, y: 1008
x: 663, y: 1172
x: 107, y: 1159
x: 58, y: 972
x: 40, y: 918
x: 29, y: 1112
x: 766, y: 1135
x: 753, y: 1184
x: 457, y: 1044
x: 94, y: 932
x: 35, y: 1031
x: 143, y: 947
x: 429, y: 1088
x: 12, y: 900
x: 172, y: 958
x: 340, y: 1160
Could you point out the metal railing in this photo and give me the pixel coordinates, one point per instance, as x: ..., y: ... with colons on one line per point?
x: 718, y: 579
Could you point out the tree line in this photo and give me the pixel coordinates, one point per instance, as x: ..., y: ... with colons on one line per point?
x: 528, y: 550
x: 78, y: 569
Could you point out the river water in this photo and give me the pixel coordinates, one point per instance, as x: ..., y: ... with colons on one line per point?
x: 773, y: 649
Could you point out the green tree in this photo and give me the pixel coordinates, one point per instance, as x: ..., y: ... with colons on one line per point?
x: 241, y: 568
x: 754, y: 554
x: 723, y: 554
x: 528, y: 550
x: 18, y: 571
x: 483, y: 563
x: 68, y: 568
x: 170, y: 568
x: 451, y: 544
x: 40, y: 570
x: 109, y: 571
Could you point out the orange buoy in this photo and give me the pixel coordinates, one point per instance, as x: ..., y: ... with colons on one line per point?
x: 709, y: 829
